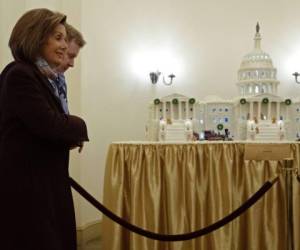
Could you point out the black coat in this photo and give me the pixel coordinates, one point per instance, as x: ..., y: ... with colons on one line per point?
x: 36, y: 209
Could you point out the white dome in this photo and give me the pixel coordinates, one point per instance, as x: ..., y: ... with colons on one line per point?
x: 257, y: 73
x: 257, y: 59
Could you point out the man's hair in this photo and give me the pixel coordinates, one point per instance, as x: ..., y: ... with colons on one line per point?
x: 74, y: 34
x: 31, y: 32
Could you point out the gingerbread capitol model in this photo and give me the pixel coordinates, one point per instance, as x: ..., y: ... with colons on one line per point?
x: 258, y: 114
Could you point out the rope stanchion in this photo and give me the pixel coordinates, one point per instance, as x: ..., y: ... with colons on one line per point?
x: 174, y: 237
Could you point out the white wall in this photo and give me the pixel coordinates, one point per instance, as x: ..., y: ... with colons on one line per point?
x: 207, y: 38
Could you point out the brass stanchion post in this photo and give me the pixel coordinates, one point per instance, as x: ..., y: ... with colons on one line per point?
x: 288, y: 174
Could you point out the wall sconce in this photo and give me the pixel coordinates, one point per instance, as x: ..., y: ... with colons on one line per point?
x: 154, y: 77
x: 296, y: 74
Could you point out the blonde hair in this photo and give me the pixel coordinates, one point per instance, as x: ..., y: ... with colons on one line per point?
x: 74, y: 34
x: 31, y: 31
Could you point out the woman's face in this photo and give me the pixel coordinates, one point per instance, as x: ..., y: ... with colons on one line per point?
x: 54, y: 49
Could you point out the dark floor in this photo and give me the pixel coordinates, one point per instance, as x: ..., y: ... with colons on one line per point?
x: 92, y: 245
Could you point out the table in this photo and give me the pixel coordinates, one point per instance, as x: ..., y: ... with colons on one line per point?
x: 174, y: 188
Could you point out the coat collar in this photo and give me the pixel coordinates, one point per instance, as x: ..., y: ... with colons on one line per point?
x: 45, y: 82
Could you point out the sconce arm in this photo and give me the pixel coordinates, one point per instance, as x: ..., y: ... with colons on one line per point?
x: 171, y: 79
x: 296, y: 74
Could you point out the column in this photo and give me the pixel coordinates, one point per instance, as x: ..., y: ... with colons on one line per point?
x: 269, y: 111
x: 251, y: 110
x: 157, y: 112
x: 277, y: 111
x: 194, y: 111
x: 171, y: 110
x: 186, y: 110
x: 259, y: 111
x: 179, y: 111
x: 164, y: 110
x: 272, y: 88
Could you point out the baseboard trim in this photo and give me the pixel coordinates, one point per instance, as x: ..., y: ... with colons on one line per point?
x: 88, y: 232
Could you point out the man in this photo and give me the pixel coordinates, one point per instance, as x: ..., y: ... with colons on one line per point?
x: 75, y: 43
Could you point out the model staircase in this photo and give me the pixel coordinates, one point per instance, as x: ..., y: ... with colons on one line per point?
x: 267, y: 131
x: 175, y: 132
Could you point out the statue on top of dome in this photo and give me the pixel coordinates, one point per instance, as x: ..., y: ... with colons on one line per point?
x: 257, y: 28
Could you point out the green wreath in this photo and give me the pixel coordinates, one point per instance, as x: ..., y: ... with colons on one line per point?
x: 265, y: 100
x: 220, y: 126
x: 243, y: 101
x: 156, y: 101
x: 192, y: 100
x: 288, y: 102
x: 175, y: 101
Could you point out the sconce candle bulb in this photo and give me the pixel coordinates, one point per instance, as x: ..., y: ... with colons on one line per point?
x: 154, y: 76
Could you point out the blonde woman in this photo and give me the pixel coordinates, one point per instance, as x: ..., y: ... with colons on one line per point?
x: 36, y: 134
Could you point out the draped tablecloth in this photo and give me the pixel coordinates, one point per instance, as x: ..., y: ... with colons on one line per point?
x: 173, y: 188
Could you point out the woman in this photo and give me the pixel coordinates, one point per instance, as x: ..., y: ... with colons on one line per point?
x: 36, y: 207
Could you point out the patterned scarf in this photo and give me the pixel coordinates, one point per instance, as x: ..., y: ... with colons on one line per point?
x: 57, y: 82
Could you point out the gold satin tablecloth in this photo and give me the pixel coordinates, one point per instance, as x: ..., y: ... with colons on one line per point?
x: 179, y: 188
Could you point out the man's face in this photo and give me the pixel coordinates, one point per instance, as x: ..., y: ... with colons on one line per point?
x: 71, y: 54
